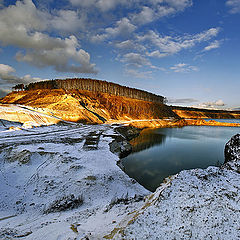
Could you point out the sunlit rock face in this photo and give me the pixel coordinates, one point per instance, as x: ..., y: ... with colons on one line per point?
x: 232, y: 153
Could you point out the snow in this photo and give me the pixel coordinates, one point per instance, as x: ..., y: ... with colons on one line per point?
x: 45, y: 164
x: 62, y: 182
x: 195, y: 204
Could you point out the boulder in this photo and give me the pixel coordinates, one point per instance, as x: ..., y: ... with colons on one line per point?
x: 232, y: 154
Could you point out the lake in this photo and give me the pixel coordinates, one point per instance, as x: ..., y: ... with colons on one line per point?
x: 158, y: 153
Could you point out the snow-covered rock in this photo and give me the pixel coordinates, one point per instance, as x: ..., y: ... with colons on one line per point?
x: 194, y: 204
x: 62, y: 182
x: 232, y: 154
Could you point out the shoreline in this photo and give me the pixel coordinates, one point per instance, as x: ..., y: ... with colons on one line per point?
x: 161, y: 123
x: 113, y: 204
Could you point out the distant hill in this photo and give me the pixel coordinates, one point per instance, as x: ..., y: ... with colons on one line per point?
x: 87, y: 106
x: 96, y: 101
x: 94, y: 85
x: 189, y: 112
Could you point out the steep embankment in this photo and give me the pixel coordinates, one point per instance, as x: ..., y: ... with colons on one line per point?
x: 28, y: 117
x: 185, y: 112
x: 193, y: 204
x: 90, y: 107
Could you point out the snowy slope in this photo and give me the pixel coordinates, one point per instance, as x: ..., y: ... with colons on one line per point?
x: 62, y: 182
x: 194, y: 204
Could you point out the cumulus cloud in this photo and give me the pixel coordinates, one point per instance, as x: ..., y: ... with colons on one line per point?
x: 214, y: 104
x: 234, y: 6
x: 170, y: 45
x: 3, y: 92
x: 137, y: 11
x: 135, y: 60
x: 213, y: 45
x: 146, y: 15
x: 183, y: 68
x: 22, y: 25
x: 9, y: 79
x: 59, y: 57
x: 69, y: 21
x: 157, y: 9
x: 122, y: 28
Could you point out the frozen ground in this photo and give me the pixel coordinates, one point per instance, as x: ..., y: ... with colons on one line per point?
x: 194, y: 204
x: 62, y: 182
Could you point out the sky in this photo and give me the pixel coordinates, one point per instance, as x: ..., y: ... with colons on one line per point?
x: 185, y: 50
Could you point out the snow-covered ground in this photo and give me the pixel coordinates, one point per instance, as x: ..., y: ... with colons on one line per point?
x: 194, y: 204
x: 62, y: 182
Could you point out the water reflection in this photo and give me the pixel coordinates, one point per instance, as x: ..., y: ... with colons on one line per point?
x: 147, y: 139
x: 159, y: 153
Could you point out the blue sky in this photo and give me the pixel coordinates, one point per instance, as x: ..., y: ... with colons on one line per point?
x: 185, y: 50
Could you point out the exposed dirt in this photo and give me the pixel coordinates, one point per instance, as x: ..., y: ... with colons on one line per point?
x: 95, y: 107
x: 89, y: 107
x: 203, y: 113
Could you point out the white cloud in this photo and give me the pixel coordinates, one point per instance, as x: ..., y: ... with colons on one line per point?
x: 4, y: 92
x: 181, y: 100
x: 22, y: 25
x: 170, y: 45
x: 137, y: 11
x: 122, y: 28
x: 138, y: 74
x: 146, y: 15
x: 214, y: 104
x: 135, y: 59
x: 179, y: 4
x: 130, y: 45
x: 5, y: 70
x: 69, y: 21
x: 103, y: 5
x: 59, y: 58
x: 183, y: 68
x: 213, y: 45
x: 234, y: 5
x: 7, y: 76
x: 156, y: 53
x: 159, y: 8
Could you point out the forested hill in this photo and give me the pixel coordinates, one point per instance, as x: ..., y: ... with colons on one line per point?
x: 96, y: 86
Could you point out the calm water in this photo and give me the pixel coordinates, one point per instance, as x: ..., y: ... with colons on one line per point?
x: 158, y: 153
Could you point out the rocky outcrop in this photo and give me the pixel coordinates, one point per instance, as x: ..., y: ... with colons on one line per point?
x: 193, y: 204
x: 121, y: 146
x: 232, y: 154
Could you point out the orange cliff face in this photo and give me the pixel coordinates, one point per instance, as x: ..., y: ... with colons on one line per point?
x: 214, y: 114
x: 94, y: 107
x: 88, y: 107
